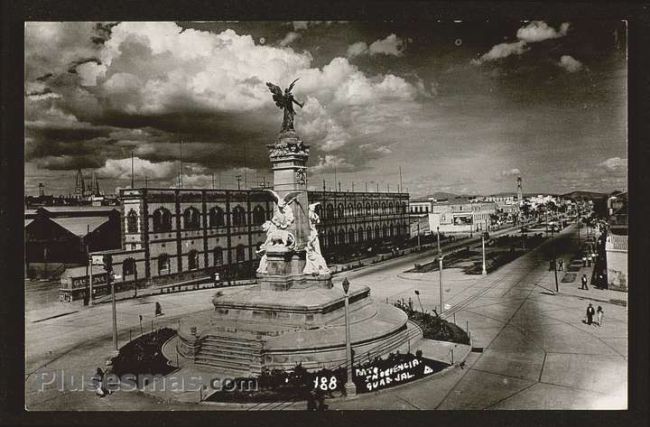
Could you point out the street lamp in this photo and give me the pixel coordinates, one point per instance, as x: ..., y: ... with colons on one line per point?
x: 417, y: 293
x: 350, y: 387
x: 440, y: 269
x: 108, y: 266
x: 483, y: 246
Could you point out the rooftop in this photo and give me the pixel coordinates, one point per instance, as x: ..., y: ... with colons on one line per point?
x: 78, y: 209
x: 80, y: 226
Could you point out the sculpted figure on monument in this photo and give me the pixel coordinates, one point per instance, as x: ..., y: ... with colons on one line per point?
x: 285, y: 101
x: 315, y: 263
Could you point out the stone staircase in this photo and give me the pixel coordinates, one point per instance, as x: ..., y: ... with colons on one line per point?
x: 230, y: 353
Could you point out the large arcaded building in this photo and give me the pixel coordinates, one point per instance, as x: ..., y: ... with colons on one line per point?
x: 172, y: 235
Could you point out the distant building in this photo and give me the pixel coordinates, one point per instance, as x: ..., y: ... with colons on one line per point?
x: 64, y: 235
x: 616, y: 245
x: 462, y: 215
x: 174, y: 235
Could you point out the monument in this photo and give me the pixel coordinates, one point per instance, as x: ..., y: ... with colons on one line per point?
x: 293, y: 314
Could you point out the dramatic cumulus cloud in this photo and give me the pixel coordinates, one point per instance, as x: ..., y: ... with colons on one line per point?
x: 90, y: 87
x: 570, y: 64
x: 510, y: 172
x: 121, y: 169
x: 502, y: 50
x: 534, y: 32
x: 538, y: 31
x: 391, y: 45
x: 614, y: 164
x: 291, y: 37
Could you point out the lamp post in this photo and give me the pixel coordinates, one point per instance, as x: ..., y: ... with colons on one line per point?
x: 440, y: 269
x: 108, y: 266
x: 417, y: 293
x: 483, y: 247
x: 350, y: 387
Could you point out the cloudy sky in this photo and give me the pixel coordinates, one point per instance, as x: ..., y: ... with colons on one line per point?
x: 462, y: 107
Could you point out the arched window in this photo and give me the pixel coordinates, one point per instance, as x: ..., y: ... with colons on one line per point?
x: 390, y: 207
x: 350, y: 236
x: 216, y: 218
x: 368, y: 212
x: 383, y: 207
x: 259, y: 215
x: 350, y: 210
x: 359, y: 211
x: 217, y: 257
x: 341, y: 237
x: 193, y: 260
x: 340, y: 210
x: 360, y: 234
x: 369, y: 233
x: 391, y: 230
x: 384, y: 231
x: 329, y: 211
x: 164, y: 265
x: 377, y: 236
x: 191, y: 219
x: 240, y: 253
x: 238, y: 217
x: 330, y: 239
x: 128, y: 267
x: 132, y: 222
x: 375, y: 208
x: 162, y: 220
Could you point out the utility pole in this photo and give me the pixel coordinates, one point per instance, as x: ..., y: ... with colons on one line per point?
x: 442, y: 306
x: 324, y: 186
x: 180, y: 175
x: 339, y: 186
x: 401, y: 187
x: 238, y: 178
x: 132, y: 177
x: 419, y: 236
x: 484, y: 272
x: 557, y: 287
x: 213, y: 180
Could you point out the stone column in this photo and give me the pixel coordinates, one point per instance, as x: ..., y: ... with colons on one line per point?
x: 288, y: 160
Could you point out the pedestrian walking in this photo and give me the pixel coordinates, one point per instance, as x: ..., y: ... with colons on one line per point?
x: 584, y: 261
x: 590, y: 314
x: 599, y: 316
x: 584, y: 282
x: 98, y: 382
x: 158, y: 309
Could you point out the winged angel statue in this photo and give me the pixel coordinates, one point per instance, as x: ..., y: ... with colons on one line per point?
x: 285, y: 101
x: 277, y: 229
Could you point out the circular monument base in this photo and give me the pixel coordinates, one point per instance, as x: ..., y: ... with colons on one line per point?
x: 256, y: 329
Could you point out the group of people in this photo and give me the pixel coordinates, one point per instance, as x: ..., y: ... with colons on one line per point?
x: 590, y: 315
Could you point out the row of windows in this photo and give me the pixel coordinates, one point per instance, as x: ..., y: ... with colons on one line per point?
x: 360, y: 209
x: 419, y: 209
x: 162, y: 218
x: 361, y: 235
x: 164, y: 261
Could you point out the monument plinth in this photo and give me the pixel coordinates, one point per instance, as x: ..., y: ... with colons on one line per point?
x: 293, y: 314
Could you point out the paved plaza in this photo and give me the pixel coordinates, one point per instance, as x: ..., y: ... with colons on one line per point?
x: 532, y: 350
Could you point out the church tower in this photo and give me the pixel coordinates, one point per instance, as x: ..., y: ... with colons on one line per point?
x: 520, y: 195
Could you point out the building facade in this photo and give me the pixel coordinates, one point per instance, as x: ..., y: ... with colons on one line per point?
x: 462, y: 216
x: 175, y: 235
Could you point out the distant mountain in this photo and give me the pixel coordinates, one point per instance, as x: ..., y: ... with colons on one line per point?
x: 440, y: 195
x: 590, y: 195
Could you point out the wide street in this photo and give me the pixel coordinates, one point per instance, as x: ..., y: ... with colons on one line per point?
x: 532, y: 349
